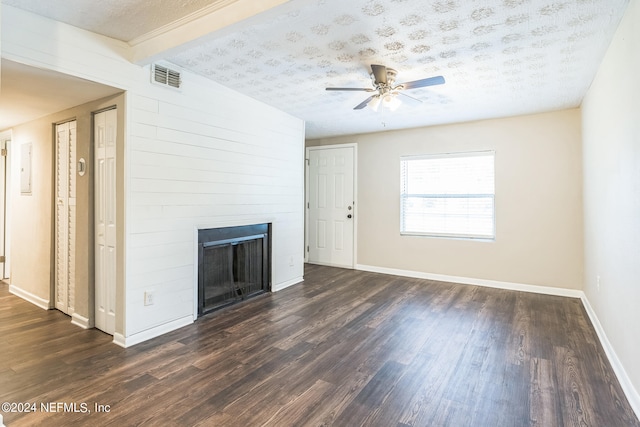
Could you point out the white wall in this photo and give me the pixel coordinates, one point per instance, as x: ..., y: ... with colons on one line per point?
x: 202, y: 156
x: 538, y: 201
x: 206, y: 158
x: 31, y: 225
x: 611, y: 134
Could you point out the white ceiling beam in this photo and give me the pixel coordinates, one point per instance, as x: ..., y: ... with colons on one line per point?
x: 180, y: 34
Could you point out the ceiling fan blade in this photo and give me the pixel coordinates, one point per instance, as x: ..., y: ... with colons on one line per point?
x: 363, y: 103
x: 380, y: 73
x: 431, y: 81
x: 351, y: 88
x: 414, y: 101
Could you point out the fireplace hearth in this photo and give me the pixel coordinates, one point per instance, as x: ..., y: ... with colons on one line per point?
x: 233, y: 265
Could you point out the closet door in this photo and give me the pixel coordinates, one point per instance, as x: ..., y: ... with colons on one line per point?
x: 105, y: 126
x: 65, y: 220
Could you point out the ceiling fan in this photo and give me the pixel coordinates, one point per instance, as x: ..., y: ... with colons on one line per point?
x: 386, y: 91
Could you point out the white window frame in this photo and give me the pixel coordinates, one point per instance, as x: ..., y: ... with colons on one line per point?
x: 404, y: 196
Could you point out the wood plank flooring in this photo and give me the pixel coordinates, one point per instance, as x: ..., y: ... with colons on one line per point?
x: 345, y: 348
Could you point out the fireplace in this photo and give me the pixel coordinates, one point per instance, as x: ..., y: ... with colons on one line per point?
x: 233, y: 265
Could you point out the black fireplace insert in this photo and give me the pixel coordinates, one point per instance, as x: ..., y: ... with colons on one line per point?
x: 233, y: 265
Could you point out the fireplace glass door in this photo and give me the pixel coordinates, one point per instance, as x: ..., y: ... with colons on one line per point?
x: 232, y: 269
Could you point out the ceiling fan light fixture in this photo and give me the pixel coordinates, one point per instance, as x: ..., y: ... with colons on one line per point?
x: 375, y: 103
x: 388, y: 101
x: 391, y: 101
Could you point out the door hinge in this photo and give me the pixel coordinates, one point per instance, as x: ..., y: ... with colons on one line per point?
x: 2, y: 258
x: 307, y: 160
x: 307, y: 248
x: 307, y: 205
x: 3, y: 152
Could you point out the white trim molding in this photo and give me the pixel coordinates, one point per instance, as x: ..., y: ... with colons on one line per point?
x: 547, y: 290
x: 81, y: 321
x: 128, y: 341
x: 185, y: 20
x: 280, y: 286
x: 28, y: 296
x: 221, y: 16
x: 625, y: 382
x: 120, y: 340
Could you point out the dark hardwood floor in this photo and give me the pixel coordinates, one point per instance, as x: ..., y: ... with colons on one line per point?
x: 345, y: 348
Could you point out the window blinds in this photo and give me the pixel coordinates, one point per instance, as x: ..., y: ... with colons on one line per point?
x: 449, y: 195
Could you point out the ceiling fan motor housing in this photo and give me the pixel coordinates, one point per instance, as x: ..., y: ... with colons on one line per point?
x: 391, y: 78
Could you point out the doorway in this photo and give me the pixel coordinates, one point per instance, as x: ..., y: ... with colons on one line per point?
x: 331, y: 206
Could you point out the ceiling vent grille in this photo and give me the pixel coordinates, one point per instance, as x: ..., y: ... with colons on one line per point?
x: 165, y: 76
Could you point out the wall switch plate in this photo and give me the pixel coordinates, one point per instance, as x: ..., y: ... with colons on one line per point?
x: 148, y: 298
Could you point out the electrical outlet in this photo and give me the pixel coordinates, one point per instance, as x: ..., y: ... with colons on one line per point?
x: 148, y: 298
x: 598, y: 282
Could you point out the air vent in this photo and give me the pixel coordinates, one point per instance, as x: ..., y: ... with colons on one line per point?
x: 165, y: 76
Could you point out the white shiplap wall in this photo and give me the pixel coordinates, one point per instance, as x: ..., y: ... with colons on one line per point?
x: 203, y: 156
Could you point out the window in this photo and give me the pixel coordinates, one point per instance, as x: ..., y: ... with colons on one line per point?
x: 449, y: 195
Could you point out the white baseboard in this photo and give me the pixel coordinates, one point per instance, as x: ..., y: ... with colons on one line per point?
x: 1, y: 422
x: 284, y: 285
x: 81, y: 321
x: 28, y: 296
x: 547, y: 290
x: 331, y: 264
x: 120, y: 340
x: 156, y: 331
x: 625, y: 382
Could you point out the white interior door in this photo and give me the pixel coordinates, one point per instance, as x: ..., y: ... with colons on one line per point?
x: 65, y: 216
x: 331, y: 206
x: 105, y: 128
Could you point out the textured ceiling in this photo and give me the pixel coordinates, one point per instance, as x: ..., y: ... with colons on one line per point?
x: 499, y: 57
x: 119, y: 19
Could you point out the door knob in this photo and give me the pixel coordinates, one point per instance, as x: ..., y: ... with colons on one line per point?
x: 349, y: 216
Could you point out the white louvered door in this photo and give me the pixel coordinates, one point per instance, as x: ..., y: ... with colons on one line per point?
x: 65, y: 217
x: 105, y: 128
